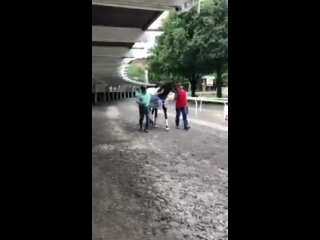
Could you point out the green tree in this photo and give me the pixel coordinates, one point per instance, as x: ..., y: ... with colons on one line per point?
x: 161, y: 77
x: 184, y: 50
x: 174, y: 55
x: 136, y: 72
x: 157, y: 76
x: 212, y: 32
x: 225, y: 79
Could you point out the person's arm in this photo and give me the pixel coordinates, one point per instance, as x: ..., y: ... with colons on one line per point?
x: 137, y: 98
x: 139, y: 102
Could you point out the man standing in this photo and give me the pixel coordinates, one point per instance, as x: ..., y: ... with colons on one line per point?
x: 181, y: 107
x: 143, y: 99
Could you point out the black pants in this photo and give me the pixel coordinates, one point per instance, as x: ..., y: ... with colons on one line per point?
x: 144, y: 112
x: 155, y: 112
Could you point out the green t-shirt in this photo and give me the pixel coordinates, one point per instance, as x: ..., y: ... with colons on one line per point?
x: 144, y: 99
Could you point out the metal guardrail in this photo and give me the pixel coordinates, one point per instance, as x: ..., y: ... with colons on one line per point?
x: 199, y: 100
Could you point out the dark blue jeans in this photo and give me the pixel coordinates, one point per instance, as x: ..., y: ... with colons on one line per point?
x: 144, y: 112
x: 184, y: 113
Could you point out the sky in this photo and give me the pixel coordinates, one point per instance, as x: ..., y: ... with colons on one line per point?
x: 151, y: 35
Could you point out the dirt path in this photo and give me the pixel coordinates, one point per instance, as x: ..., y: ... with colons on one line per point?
x: 161, y: 185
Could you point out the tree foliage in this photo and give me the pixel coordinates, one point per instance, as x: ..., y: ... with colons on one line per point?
x: 136, y: 72
x: 212, y: 32
x: 192, y: 45
x: 225, y: 79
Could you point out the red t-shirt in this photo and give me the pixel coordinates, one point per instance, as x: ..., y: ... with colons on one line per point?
x: 181, y: 101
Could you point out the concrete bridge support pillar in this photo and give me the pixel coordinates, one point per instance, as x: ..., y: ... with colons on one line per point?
x: 95, y: 93
x: 134, y: 92
x: 130, y: 93
x: 105, y: 92
x: 111, y: 93
x: 119, y: 92
x: 115, y: 93
x: 127, y: 92
x: 92, y: 92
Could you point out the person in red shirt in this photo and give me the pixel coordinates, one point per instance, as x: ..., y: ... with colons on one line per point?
x: 182, y: 108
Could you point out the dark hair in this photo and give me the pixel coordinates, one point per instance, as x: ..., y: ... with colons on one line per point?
x: 143, y: 89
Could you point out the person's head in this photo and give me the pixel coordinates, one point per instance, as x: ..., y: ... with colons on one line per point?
x: 180, y: 86
x: 143, y: 89
x: 175, y: 87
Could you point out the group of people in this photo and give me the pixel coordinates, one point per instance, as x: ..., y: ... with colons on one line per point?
x: 143, y: 98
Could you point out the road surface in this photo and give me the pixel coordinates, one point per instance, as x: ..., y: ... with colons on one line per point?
x: 158, y: 185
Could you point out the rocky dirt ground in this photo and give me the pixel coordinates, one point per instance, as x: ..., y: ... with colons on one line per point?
x: 158, y: 185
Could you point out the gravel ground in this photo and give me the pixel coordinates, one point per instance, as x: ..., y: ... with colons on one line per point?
x: 157, y: 185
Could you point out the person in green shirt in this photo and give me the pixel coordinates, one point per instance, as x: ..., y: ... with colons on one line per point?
x: 143, y: 99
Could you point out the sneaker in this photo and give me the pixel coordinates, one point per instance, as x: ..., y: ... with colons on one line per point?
x: 187, y: 128
x: 177, y: 127
x: 146, y: 131
x: 167, y: 128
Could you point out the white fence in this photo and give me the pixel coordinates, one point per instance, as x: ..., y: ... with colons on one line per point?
x: 199, y: 100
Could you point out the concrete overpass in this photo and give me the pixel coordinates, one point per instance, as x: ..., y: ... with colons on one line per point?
x: 116, y: 26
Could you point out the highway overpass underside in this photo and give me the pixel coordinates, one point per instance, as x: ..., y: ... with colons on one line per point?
x: 114, y: 32
x: 116, y: 27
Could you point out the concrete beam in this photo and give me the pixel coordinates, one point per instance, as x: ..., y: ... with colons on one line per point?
x: 106, y: 71
x: 155, y: 5
x: 115, y: 34
x: 104, y: 75
x: 105, y: 62
x: 106, y: 65
x: 103, y: 72
x: 112, y: 36
x: 103, y: 78
x: 109, y: 51
x: 102, y: 54
x: 111, y: 60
